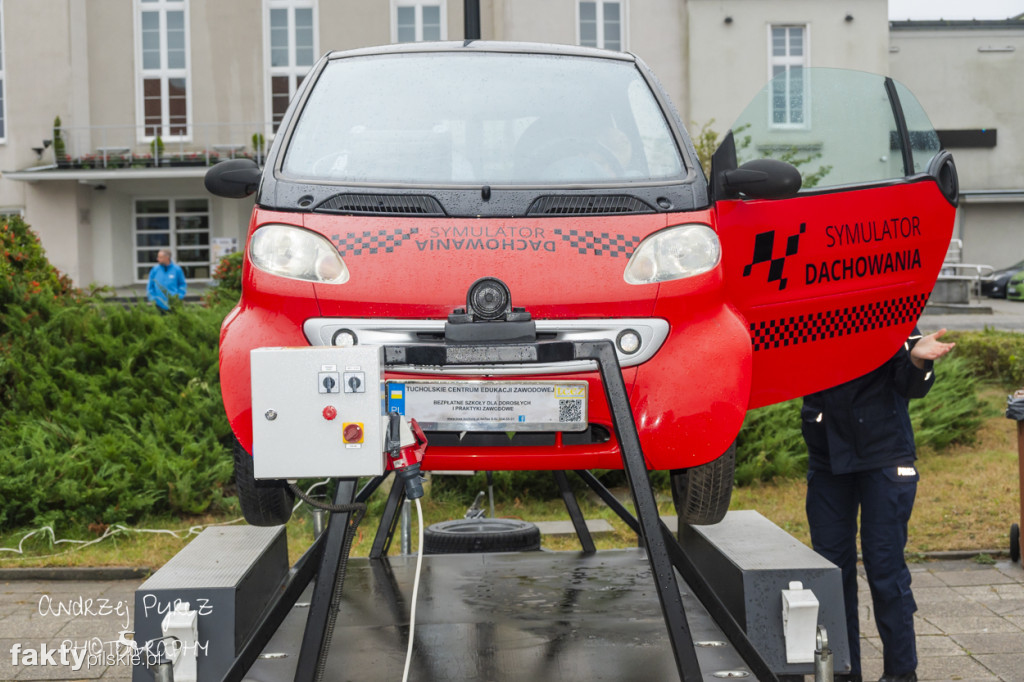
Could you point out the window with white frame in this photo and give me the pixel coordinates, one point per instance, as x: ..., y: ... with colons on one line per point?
x: 3, y: 80
x: 182, y: 226
x: 787, y: 59
x: 414, y: 21
x: 163, y: 67
x: 291, y: 48
x: 601, y: 24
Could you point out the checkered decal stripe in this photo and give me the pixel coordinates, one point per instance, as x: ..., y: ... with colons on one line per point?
x: 371, y: 241
x: 599, y: 243
x: 790, y: 331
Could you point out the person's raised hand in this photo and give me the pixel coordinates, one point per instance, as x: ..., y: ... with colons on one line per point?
x: 930, y: 348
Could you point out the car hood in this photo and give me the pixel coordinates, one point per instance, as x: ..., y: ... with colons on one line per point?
x: 1006, y: 274
x: 422, y: 268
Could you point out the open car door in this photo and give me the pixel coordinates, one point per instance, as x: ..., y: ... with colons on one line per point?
x: 831, y: 280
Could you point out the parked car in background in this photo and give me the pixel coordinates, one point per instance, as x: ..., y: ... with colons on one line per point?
x: 1015, y: 287
x: 995, y: 287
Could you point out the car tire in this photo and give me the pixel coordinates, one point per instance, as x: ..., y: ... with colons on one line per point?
x: 701, y: 494
x: 470, y: 536
x: 264, y: 503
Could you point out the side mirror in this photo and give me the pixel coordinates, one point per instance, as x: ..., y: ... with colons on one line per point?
x: 762, y: 179
x: 234, y: 179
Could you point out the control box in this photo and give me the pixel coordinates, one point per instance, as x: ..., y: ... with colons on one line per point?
x: 318, y: 412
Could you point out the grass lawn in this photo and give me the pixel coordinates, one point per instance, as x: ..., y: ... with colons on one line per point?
x: 967, y: 499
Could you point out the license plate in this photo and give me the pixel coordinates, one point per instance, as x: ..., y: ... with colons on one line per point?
x: 492, y: 405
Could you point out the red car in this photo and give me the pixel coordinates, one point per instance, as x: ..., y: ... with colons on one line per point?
x: 402, y: 175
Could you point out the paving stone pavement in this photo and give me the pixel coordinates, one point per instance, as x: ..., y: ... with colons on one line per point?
x: 970, y: 624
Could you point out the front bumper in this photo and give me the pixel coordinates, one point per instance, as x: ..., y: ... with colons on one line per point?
x: 688, y: 398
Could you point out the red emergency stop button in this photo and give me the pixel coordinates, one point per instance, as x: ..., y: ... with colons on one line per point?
x: 352, y: 433
x: 330, y: 413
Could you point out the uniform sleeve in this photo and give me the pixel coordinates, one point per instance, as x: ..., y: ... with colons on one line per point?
x: 911, y: 381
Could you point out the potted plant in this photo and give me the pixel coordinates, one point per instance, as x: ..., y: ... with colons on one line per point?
x: 258, y: 147
x: 60, y: 152
x: 156, y: 146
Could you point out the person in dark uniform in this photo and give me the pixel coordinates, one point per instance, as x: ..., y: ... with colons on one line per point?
x: 861, y: 457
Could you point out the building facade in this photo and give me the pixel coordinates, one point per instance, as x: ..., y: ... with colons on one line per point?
x: 969, y: 75
x: 150, y: 92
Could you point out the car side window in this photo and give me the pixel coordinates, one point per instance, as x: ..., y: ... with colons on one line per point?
x: 849, y: 134
x: 924, y: 141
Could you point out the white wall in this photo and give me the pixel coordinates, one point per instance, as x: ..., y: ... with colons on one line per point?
x: 37, y: 86
x: 973, y: 78
x: 728, y: 62
x: 53, y: 211
x: 964, y: 86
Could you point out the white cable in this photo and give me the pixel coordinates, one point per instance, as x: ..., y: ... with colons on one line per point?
x: 117, y: 529
x: 415, y: 591
x: 108, y: 533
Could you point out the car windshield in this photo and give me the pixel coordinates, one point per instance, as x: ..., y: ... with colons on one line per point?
x: 482, y: 119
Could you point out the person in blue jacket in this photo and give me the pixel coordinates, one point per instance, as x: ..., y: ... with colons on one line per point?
x: 861, y: 457
x: 166, y: 280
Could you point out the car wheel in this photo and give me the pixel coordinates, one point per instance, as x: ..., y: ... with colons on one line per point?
x: 1014, y: 543
x: 467, y: 536
x: 701, y: 494
x: 264, y: 503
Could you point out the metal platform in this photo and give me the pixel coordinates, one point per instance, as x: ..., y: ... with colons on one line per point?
x: 621, y: 615
x: 526, y: 616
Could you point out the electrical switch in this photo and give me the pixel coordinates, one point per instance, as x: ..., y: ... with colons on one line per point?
x: 329, y: 382
x: 355, y: 382
x: 352, y: 433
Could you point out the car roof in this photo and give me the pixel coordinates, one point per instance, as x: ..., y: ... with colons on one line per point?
x: 493, y: 46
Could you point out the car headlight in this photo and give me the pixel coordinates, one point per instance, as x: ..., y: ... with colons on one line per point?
x: 296, y: 253
x: 675, y: 253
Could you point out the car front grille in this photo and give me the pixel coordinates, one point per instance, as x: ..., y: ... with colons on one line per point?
x: 610, y: 204
x: 383, y: 204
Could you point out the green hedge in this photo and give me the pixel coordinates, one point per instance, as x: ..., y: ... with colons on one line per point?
x: 107, y: 412
x: 110, y: 413
x: 993, y: 355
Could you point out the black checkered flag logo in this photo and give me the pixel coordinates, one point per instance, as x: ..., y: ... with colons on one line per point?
x: 371, y: 241
x: 764, y: 250
x: 599, y: 243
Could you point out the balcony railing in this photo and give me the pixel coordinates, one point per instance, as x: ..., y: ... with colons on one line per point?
x: 204, y: 144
